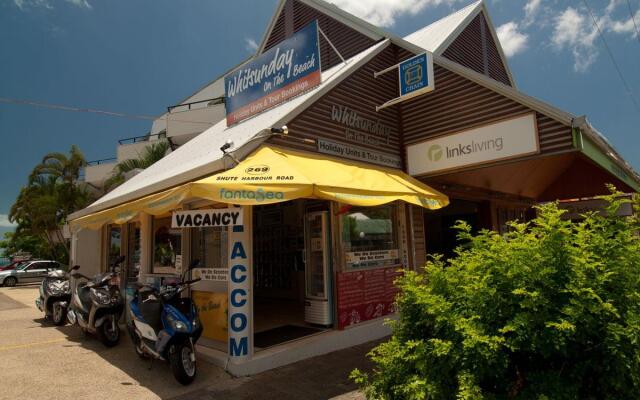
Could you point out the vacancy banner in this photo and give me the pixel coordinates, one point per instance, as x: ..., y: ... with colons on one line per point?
x: 206, y: 218
x: 286, y: 70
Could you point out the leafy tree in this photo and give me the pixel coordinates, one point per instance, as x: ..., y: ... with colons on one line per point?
x: 42, y: 206
x: 549, y: 310
x: 150, y: 156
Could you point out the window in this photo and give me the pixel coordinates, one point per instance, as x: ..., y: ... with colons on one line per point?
x: 369, y: 236
x: 113, y: 244
x: 167, y: 246
x: 209, y: 245
x: 133, y: 249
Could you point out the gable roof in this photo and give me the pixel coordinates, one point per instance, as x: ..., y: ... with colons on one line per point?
x: 438, y: 36
x: 202, y: 156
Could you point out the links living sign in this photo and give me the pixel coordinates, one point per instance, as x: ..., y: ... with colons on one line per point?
x: 515, y: 137
x: 290, y: 68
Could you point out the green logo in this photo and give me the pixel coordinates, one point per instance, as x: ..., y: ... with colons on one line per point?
x: 434, y: 153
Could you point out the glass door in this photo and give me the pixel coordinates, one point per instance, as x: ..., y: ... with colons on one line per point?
x: 316, y: 255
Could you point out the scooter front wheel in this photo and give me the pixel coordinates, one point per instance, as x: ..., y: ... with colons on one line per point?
x: 59, y: 314
x: 183, y: 362
x: 109, y: 331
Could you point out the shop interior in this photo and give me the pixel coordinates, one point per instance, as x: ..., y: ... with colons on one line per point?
x: 283, y: 269
x: 442, y: 237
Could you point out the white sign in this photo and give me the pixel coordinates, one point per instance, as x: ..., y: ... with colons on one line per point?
x: 206, y: 218
x: 357, y: 153
x: 502, y: 140
x: 357, y: 257
x: 576, y: 209
x: 211, y: 274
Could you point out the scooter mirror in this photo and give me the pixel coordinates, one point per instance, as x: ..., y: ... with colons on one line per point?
x: 75, y: 268
x: 120, y: 259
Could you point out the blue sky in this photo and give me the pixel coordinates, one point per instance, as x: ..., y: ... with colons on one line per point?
x: 141, y: 56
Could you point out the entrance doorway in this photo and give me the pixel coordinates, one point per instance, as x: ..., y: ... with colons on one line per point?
x: 442, y: 237
x: 291, y: 271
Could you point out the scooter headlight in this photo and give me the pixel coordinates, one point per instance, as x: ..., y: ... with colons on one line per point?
x: 101, y: 297
x: 176, y: 324
x: 57, y: 287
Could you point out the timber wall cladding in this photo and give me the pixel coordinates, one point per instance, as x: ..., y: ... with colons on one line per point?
x: 458, y: 104
x: 475, y: 48
x: 361, y: 93
x: 348, y: 41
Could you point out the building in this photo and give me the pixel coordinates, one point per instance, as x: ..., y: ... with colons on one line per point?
x: 304, y: 210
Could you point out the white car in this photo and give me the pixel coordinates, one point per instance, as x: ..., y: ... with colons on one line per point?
x: 29, y: 272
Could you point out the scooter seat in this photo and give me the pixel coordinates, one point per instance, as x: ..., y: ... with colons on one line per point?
x: 84, y: 293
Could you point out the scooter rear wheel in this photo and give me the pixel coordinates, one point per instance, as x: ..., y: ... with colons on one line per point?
x: 107, y: 333
x: 183, y: 362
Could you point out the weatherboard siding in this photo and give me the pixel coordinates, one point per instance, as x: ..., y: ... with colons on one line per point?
x: 347, y: 40
x: 458, y: 104
x: 361, y: 92
x: 475, y: 48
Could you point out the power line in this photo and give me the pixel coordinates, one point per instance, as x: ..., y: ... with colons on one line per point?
x: 94, y: 111
x: 633, y: 18
x: 615, y: 63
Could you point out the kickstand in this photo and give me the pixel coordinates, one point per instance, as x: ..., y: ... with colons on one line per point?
x: 150, y: 363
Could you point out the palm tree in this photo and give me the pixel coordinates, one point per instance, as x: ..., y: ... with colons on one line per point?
x: 150, y: 156
x: 51, y: 194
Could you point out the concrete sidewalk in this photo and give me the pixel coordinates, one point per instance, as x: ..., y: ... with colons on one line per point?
x: 39, y: 360
x: 321, y: 378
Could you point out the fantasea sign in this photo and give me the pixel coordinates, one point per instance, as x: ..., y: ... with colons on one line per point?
x: 284, y: 71
x: 206, y: 218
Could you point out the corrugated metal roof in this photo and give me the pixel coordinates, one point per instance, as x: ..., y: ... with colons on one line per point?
x: 433, y: 37
x: 202, y: 155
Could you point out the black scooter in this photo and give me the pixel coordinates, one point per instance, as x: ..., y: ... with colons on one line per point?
x: 55, y: 295
x: 97, y: 305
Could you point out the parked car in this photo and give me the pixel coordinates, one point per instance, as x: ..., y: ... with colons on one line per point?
x: 12, y: 265
x: 28, y: 272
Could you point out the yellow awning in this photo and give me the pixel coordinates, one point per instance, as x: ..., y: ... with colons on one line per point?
x: 273, y: 175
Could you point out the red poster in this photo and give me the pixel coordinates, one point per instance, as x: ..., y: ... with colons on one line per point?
x: 366, y: 295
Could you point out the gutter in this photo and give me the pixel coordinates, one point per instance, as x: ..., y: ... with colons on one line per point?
x: 582, y: 124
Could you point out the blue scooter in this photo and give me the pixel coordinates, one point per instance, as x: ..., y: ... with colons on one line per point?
x: 165, y: 326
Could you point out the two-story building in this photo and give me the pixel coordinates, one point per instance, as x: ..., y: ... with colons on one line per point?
x: 324, y: 174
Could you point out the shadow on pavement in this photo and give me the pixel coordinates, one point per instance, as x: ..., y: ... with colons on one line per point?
x: 155, y: 377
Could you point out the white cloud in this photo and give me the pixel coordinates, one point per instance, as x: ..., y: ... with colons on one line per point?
x: 80, y: 3
x: 512, y: 40
x: 5, y: 223
x: 250, y: 44
x: 25, y: 5
x: 531, y: 10
x: 385, y: 12
x: 574, y: 30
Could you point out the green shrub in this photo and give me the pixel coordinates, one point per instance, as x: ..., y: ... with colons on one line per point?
x: 550, y: 310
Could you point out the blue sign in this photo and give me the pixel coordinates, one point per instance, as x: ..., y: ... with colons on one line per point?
x: 286, y: 70
x: 414, y: 74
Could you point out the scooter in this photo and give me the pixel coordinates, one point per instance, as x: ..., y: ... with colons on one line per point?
x: 55, y: 295
x: 165, y: 326
x: 97, y: 305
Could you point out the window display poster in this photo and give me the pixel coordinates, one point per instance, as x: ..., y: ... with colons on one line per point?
x: 366, y: 295
x: 212, y: 309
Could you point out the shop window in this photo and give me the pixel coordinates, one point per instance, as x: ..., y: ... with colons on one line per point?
x: 133, y: 253
x: 369, y: 236
x: 209, y: 245
x: 114, y: 244
x: 167, y: 246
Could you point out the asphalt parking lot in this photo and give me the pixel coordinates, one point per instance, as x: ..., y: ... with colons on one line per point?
x: 39, y: 360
